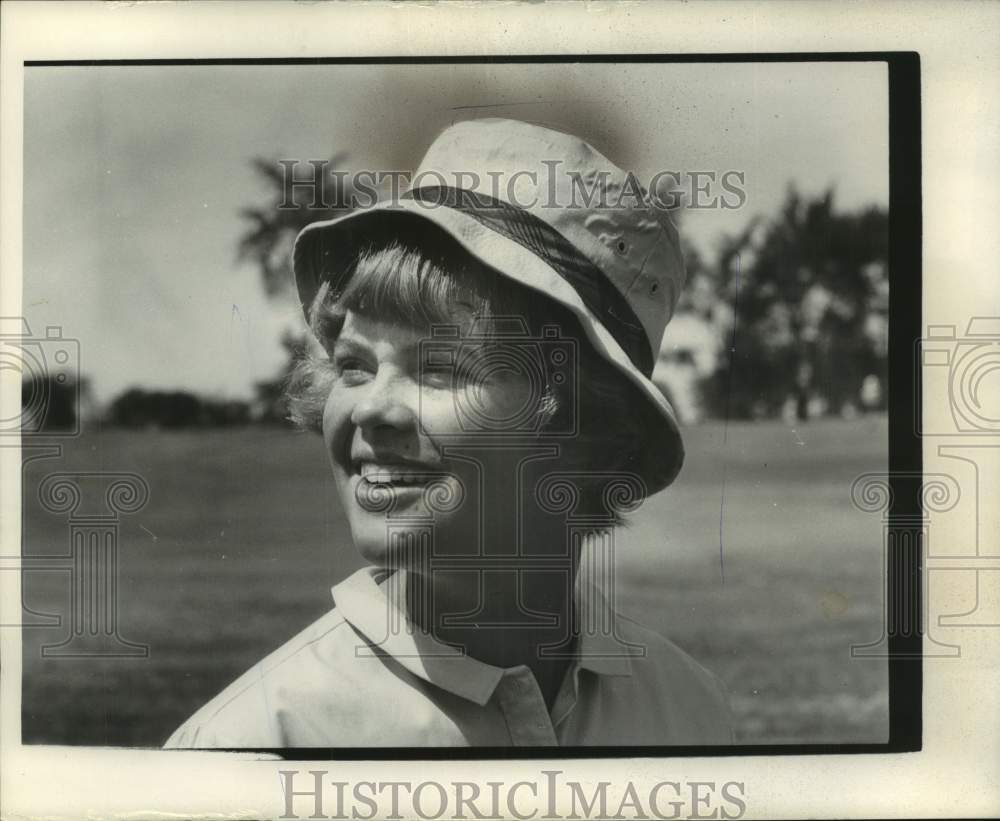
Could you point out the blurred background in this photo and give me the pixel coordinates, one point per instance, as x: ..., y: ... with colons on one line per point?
x: 153, y: 240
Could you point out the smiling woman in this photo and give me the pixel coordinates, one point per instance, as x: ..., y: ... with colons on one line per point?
x: 428, y: 284
x: 485, y: 402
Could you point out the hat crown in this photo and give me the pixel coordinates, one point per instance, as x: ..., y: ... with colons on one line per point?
x: 603, y: 211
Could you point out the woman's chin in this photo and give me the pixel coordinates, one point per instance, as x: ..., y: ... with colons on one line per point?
x: 378, y: 547
x: 372, y: 544
x: 397, y: 527
x: 413, y: 548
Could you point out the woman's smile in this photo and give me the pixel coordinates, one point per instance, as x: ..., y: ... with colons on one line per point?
x: 388, y: 473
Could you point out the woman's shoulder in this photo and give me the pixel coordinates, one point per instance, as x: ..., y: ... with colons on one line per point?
x: 243, y: 714
x: 675, y: 675
x: 661, y: 648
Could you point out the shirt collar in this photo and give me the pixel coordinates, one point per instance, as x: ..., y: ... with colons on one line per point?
x: 373, y: 601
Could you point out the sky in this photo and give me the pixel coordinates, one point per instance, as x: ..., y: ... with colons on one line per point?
x: 134, y: 177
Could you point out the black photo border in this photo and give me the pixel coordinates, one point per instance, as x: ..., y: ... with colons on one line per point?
x: 903, y: 593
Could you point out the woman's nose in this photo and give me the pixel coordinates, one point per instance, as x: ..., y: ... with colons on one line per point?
x: 388, y: 402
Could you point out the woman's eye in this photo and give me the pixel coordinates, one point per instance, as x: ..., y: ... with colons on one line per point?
x: 352, y: 369
x: 449, y: 377
x: 437, y: 377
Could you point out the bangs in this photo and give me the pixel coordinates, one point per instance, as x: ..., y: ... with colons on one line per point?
x: 399, y: 283
x: 421, y: 286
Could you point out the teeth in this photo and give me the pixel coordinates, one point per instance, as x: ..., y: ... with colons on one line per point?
x: 382, y: 475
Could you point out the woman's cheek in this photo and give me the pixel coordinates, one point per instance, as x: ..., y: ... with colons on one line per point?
x: 471, y: 411
x: 437, y: 411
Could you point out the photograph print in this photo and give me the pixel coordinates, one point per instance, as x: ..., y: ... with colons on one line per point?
x: 379, y: 407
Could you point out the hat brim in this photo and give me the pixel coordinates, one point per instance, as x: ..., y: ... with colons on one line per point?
x: 343, y: 237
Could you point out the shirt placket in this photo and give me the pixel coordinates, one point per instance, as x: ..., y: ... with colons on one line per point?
x: 523, y: 707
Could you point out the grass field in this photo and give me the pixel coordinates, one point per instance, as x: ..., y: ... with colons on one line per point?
x: 755, y: 562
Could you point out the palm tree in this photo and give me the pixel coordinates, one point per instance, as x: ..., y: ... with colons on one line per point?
x: 275, y: 224
x: 268, y: 242
x: 802, y: 287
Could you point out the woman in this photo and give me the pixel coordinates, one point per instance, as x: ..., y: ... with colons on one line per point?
x: 484, y: 396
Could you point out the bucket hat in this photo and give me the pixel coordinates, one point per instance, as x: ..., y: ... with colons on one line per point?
x: 549, y: 211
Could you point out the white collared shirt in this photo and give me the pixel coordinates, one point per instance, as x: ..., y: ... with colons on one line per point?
x: 362, y: 676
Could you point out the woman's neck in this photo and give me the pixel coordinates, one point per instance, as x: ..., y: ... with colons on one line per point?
x: 502, y: 617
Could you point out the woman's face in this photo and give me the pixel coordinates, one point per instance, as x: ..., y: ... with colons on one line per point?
x: 386, y: 425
